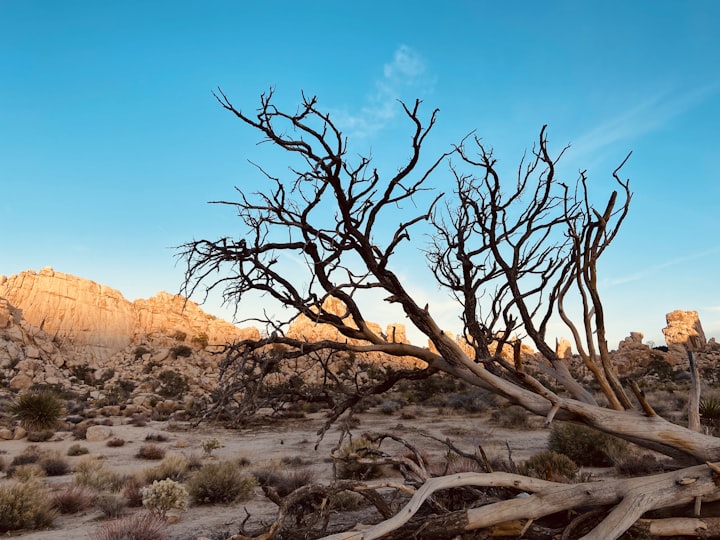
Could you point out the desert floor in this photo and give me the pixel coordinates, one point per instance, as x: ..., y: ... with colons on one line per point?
x: 266, y: 446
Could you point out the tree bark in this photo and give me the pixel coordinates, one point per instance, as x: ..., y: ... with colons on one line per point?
x: 632, y: 497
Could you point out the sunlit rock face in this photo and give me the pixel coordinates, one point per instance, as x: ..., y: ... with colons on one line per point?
x: 79, y: 312
x: 55, y: 327
x: 684, y: 331
x: 70, y: 308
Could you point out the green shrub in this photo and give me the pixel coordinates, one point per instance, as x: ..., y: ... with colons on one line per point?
x: 709, y: 409
x: 146, y: 526
x: 24, y: 505
x: 117, y: 393
x: 37, y: 411
x: 549, y: 465
x: 172, y: 384
x: 220, y: 483
x: 586, y: 446
x: 181, y: 350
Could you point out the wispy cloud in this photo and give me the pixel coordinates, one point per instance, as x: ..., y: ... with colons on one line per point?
x: 637, y: 276
x: 406, y: 72
x: 645, y: 117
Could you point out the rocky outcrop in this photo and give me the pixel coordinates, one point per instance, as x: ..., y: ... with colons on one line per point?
x: 306, y: 329
x: 79, y: 312
x: 684, y: 331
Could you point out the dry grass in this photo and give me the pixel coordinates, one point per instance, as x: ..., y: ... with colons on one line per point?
x: 144, y: 526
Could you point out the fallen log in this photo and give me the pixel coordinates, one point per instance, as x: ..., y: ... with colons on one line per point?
x: 632, y: 498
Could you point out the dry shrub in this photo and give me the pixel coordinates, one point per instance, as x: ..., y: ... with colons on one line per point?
x: 26, y: 473
x: 139, y: 420
x: 348, y: 468
x: 77, y: 450
x: 173, y: 467
x: 346, y: 501
x: 40, y: 436
x: 24, y: 505
x: 283, y: 481
x: 220, y: 483
x: 145, y: 526
x: 150, y: 451
x: 637, y: 464
x: 513, y: 417
x: 115, y: 442
x: 73, y: 499
x: 54, y: 464
x: 549, y: 465
x: 31, y: 454
x: 93, y: 473
x: 112, y: 505
x: 156, y: 437
x: 132, y: 491
x: 458, y: 464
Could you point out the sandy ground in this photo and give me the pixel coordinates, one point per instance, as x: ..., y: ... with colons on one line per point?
x: 265, y: 447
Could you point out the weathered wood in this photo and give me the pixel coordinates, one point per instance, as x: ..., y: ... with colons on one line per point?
x: 672, y: 526
x: 694, y: 397
x: 632, y: 497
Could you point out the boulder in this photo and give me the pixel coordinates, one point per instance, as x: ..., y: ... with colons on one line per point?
x: 98, y: 433
x: 684, y: 331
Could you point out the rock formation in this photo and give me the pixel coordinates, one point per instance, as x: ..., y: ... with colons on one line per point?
x: 684, y: 331
x: 80, y: 312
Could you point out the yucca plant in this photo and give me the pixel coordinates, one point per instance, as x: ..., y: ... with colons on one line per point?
x: 37, y: 410
x: 709, y: 409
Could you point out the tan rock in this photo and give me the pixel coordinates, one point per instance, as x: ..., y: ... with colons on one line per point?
x: 6, y: 434
x: 21, y: 381
x: 81, y: 312
x: 98, y: 433
x: 563, y: 348
x: 19, y: 433
x: 684, y: 331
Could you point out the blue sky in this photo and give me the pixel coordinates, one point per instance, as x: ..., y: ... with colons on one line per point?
x: 111, y: 142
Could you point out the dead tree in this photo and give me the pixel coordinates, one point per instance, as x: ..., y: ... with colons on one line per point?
x: 512, y: 254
